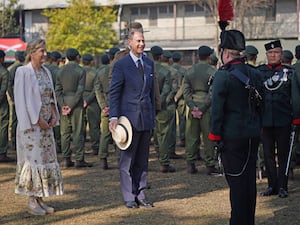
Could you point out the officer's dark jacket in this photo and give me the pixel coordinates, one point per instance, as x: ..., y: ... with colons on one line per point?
x: 233, y: 114
x: 282, y: 105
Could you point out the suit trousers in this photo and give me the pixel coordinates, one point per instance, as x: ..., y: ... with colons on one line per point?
x: 133, y: 166
x: 276, y: 138
x: 239, y: 161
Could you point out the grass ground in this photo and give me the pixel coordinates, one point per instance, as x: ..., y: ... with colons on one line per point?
x: 92, y: 196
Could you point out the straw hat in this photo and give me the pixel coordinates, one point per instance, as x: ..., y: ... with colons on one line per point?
x: 122, y: 135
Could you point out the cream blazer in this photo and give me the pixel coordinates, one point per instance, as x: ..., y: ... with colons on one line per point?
x: 28, y: 98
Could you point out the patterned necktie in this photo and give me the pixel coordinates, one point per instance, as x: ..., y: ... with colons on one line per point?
x: 140, y: 67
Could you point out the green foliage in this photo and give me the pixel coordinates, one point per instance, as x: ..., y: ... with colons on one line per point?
x: 83, y: 26
x: 7, y: 19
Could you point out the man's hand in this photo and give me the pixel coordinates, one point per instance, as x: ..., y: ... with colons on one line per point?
x: 105, y: 111
x: 113, y: 124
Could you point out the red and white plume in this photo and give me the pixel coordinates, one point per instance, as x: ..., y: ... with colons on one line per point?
x: 225, y: 10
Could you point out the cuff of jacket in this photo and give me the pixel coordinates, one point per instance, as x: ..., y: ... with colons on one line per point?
x: 296, y: 121
x: 213, y: 137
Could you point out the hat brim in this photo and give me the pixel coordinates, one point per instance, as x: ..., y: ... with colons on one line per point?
x: 126, y: 123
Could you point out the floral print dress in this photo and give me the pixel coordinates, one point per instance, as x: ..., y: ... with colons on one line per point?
x: 38, y: 173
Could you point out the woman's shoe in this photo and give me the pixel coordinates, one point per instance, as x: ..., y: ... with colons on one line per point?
x: 45, y: 207
x: 35, y: 208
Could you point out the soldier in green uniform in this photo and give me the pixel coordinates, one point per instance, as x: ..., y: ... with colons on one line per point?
x: 197, y: 98
x: 162, y: 119
x: 251, y: 53
x: 4, y: 111
x: 178, y: 98
x: 69, y: 90
x: 20, y: 58
x: 101, y: 86
x: 281, y: 110
x: 90, y: 104
x: 53, y: 66
x: 171, y: 106
x: 235, y: 125
x: 287, y: 57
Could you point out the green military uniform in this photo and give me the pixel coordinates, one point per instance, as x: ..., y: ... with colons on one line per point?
x: 102, y: 85
x: 4, y: 111
x: 171, y: 108
x: 54, y: 70
x: 162, y: 117
x: 180, y: 104
x: 92, y: 110
x: 12, y: 71
x: 69, y: 90
x: 196, y: 94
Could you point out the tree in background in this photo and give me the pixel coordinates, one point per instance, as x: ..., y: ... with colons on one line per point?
x: 82, y: 25
x: 8, y: 24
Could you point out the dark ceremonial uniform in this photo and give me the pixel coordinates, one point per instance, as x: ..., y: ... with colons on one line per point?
x: 235, y: 120
x: 281, y: 109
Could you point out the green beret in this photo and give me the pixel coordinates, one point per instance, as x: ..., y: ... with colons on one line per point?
x: 87, y: 57
x: 287, y: 55
x: 55, y: 55
x: 156, y: 50
x: 167, y: 54
x: 71, y: 54
x: 205, y: 51
x: 176, y: 55
x: 113, y: 51
x: 251, y: 50
x: 105, y: 59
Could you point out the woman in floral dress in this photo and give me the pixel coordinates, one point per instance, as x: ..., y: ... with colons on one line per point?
x: 38, y: 173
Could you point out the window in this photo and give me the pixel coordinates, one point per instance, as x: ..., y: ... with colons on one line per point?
x: 193, y: 8
x: 163, y: 9
x: 271, y: 12
x: 144, y: 10
x: 134, y: 11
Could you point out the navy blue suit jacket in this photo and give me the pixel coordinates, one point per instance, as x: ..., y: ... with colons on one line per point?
x: 132, y: 94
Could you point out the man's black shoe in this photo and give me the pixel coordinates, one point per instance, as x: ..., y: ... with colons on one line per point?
x: 131, y: 205
x: 270, y: 191
x: 145, y: 203
x: 191, y: 168
x: 80, y: 164
x: 67, y: 163
x: 212, y: 170
x: 282, y: 193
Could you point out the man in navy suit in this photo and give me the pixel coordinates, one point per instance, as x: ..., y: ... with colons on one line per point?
x: 132, y: 95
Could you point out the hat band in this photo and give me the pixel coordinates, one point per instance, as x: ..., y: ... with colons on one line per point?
x: 125, y: 131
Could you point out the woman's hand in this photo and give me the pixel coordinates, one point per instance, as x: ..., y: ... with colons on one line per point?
x: 43, y: 124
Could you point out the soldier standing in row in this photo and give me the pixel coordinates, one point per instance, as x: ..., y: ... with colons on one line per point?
x: 161, y: 131
x: 53, y: 66
x: 90, y: 104
x: 69, y: 90
x: 102, y: 84
x: 20, y: 58
x: 178, y: 98
x: 281, y: 110
x: 4, y: 111
x: 197, y: 98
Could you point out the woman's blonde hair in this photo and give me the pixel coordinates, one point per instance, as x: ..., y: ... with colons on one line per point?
x: 32, y: 46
